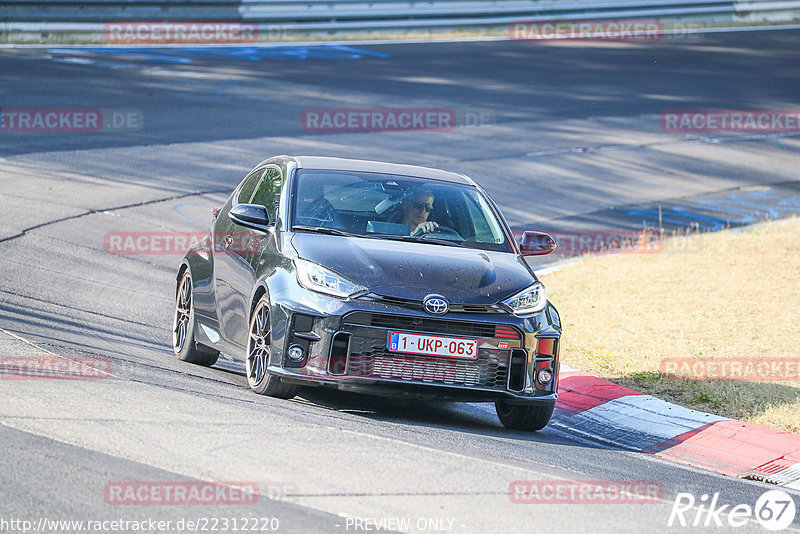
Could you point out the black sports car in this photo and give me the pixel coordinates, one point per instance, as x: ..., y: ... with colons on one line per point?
x: 372, y: 277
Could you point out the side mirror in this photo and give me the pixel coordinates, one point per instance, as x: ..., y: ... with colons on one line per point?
x: 537, y: 244
x: 250, y: 215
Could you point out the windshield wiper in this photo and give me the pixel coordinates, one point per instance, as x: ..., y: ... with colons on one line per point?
x: 322, y: 230
x: 419, y: 239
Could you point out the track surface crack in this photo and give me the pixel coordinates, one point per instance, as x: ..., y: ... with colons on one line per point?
x: 116, y: 208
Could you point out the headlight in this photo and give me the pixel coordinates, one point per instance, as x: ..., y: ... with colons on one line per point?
x: 528, y: 301
x: 317, y: 278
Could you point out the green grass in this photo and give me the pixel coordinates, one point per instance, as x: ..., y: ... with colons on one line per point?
x: 728, y: 295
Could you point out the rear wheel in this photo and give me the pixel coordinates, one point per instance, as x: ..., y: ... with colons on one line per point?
x: 258, y: 348
x: 183, y: 342
x: 531, y: 417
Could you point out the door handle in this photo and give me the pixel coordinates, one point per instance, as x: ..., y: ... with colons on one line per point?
x: 228, y: 241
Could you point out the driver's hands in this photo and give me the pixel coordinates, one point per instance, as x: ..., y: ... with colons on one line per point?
x: 425, y: 228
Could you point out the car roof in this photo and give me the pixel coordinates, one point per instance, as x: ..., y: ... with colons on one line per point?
x: 360, y: 165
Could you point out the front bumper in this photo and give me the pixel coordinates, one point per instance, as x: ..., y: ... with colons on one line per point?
x: 345, y: 346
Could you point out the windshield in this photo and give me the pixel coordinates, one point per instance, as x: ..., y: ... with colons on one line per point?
x: 395, y: 208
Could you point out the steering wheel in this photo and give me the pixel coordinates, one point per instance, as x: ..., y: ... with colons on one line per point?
x: 318, y: 213
x: 441, y: 229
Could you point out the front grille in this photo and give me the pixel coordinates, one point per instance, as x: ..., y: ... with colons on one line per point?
x: 368, y: 356
x: 406, y: 303
x: 432, y: 326
x: 417, y: 304
x: 473, y: 308
x: 374, y: 361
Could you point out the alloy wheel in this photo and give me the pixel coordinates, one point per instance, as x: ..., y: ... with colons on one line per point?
x: 183, y: 309
x: 258, y: 345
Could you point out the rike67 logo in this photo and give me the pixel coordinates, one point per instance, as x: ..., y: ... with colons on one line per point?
x: 774, y: 510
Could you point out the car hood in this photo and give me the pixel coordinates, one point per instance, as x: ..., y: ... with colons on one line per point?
x: 414, y: 270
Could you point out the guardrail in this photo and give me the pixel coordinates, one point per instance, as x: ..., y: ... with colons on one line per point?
x: 307, y: 17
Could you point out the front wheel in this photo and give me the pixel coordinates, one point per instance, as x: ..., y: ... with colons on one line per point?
x: 531, y: 417
x: 183, y: 342
x: 258, y: 347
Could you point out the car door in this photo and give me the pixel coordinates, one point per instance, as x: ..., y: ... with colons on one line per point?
x: 233, y: 264
x: 241, y: 249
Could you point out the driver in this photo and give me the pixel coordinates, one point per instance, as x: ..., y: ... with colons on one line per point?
x: 415, y: 211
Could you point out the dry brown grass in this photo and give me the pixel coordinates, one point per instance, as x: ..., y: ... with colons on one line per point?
x: 731, y: 295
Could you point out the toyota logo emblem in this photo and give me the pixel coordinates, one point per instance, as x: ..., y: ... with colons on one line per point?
x: 435, y: 304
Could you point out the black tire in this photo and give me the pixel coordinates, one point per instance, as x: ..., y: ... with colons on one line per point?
x: 257, y: 358
x: 530, y: 417
x: 183, y: 342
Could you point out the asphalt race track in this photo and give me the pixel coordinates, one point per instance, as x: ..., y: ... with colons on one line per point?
x: 560, y: 134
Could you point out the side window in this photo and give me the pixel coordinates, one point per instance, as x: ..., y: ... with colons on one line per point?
x: 268, y: 192
x: 249, y: 185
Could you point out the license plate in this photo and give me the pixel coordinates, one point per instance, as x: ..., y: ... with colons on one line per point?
x: 449, y: 347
